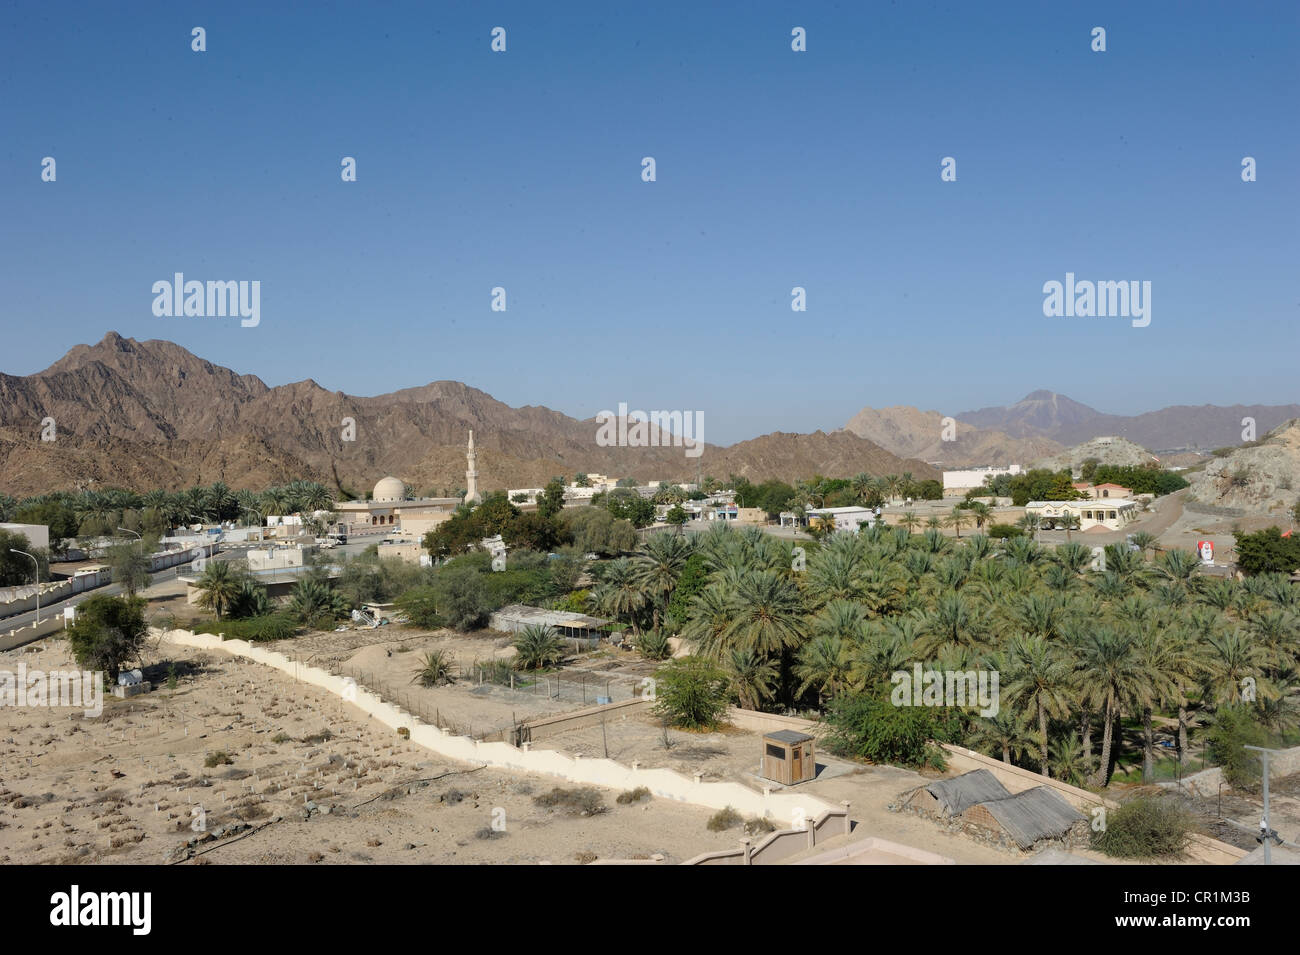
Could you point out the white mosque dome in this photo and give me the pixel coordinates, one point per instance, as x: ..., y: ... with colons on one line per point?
x: 389, y: 489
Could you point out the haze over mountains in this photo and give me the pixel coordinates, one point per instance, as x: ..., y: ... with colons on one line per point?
x: 1043, y: 423
x: 151, y: 414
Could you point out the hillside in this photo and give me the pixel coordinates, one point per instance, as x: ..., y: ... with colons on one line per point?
x: 1107, y: 450
x: 910, y: 432
x: 151, y: 414
x: 1259, y: 480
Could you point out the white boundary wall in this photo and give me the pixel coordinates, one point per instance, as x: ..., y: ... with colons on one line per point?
x: 665, y: 783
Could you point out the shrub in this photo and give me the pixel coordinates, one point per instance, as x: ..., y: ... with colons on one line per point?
x: 281, y: 737
x: 759, y: 824
x: 219, y: 758
x: 1234, y: 729
x: 870, y: 727
x: 691, y: 693
x: 436, y: 669
x: 724, y: 819
x: 1145, y: 827
x: 653, y: 645
x: 581, y: 801
x: 998, y: 531
x: 640, y: 794
x: 404, y: 732
x: 271, y: 627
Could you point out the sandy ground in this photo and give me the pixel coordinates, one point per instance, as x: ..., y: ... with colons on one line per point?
x: 125, y: 787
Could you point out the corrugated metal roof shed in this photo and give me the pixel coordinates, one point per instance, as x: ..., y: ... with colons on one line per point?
x: 969, y: 789
x: 1034, y: 814
x: 524, y: 614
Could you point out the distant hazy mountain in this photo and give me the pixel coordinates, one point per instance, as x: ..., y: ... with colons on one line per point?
x: 1049, y: 415
x: 151, y: 414
x: 911, y: 432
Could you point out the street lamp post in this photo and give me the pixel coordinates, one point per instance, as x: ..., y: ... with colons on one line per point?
x: 1267, y: 828
x: 14, y: 550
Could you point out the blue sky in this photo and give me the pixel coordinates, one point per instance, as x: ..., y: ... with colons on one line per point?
x: 775, y: 169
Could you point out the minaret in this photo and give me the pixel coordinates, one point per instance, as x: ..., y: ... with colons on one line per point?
x: 471, y: 474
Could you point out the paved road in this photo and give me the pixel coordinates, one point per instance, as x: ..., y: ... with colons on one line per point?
x: 112, y: 590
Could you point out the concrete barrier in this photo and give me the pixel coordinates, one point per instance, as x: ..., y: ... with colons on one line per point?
x: 16, y: 638
x: 664, y: 783
x: 16, y: 600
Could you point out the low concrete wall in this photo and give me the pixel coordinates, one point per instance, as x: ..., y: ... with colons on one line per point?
x: 783, y: 844
x: 16, y: 600
x: 770, y: 723
x: 607, y: 773
x: 16, y: 638
x: 533, y: 730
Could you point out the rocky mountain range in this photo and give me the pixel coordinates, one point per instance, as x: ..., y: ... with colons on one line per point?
x: 1044, y: 423
x: 151, y: 414
x: 922, y: 434
x: 1047, y: 414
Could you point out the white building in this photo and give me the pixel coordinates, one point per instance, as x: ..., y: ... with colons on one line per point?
x: 845, y: 518
x: 1111, y: 514
x: 973, y: 477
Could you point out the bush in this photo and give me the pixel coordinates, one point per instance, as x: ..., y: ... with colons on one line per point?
x: 265, y: 629
x: 1234, y: 729
x: 653, y: 645
x: 640, y: 794
x: 1145, y: 827
x: 865, y: 726
x: 998, y: 531
x: 724, y: 819
x: 581, y: 801
x: 691, y: 693
x: 759, y: 824
x: 219, y: 758
x: 436, y: 669
x: 107, y: 633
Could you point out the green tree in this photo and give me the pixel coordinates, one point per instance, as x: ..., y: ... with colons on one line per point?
x: 107, y: 633
x: 691, y: 693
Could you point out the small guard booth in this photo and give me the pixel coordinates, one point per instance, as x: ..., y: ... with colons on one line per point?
x: 788, y: 757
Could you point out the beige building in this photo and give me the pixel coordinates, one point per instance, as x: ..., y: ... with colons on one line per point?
x: 390, y: 511
x: 1112, y: 514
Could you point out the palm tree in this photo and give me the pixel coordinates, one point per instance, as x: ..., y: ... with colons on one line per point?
x: 537, y: 646
x: 981, y: 513
x: 619, y: 595
x: 1068, y: 521
x: 957, y: 519
x: 657, y: 568
x: 707, y: 620
x: 316, y: 603
x: 1111, y: 661
x: 1005, y: 731
x: 823, y: 664
x: 753, y: 677
x: 767, y: 614
x: 1144, y: 542
x: 910, y: 521
x: 218, y: 586
x: 1039, y: 681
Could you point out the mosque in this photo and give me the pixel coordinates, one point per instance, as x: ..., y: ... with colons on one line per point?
x: 389, y: 512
